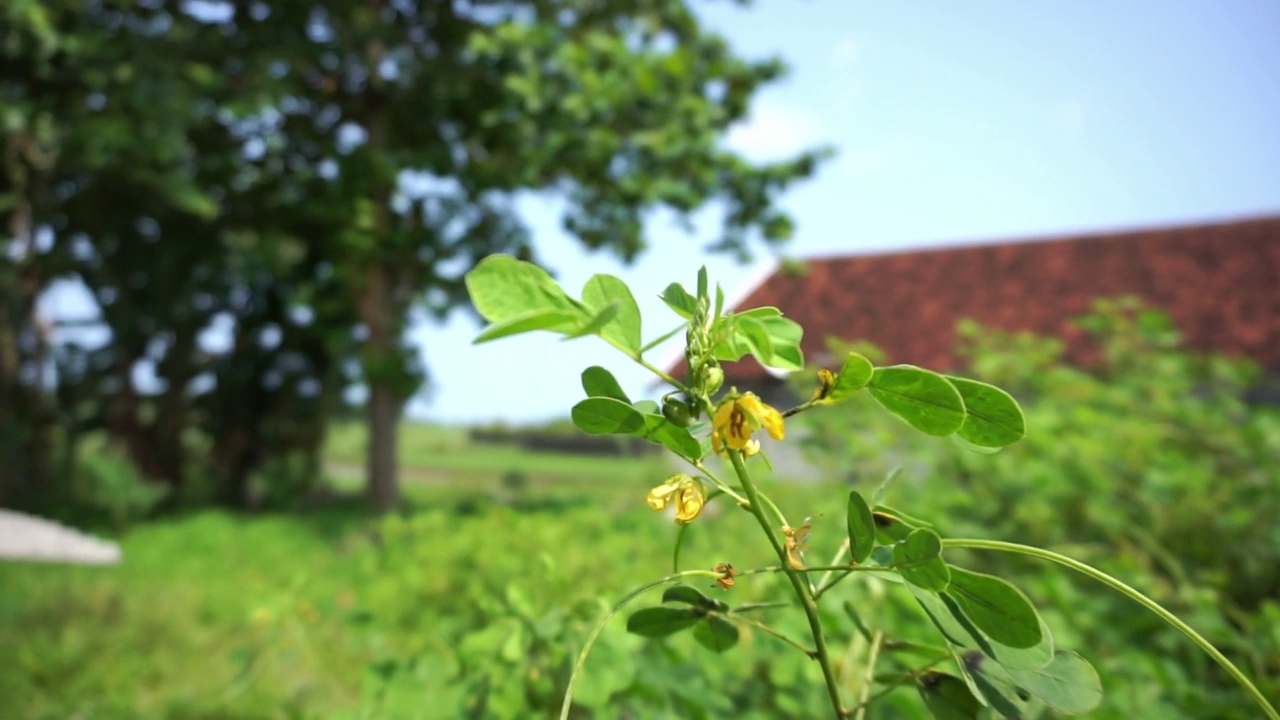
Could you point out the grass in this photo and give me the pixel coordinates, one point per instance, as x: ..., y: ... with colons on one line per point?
x: 218, y: 615
x: 433, y: 453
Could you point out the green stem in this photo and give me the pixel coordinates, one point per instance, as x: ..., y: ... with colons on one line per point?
x: 908, y: 676
x: 869, y: 677
x: 659, y: 372
x: 1134, y: 595
x: 595, y: 631
x: 721, y: 485
x: 797, y: 583
x: 770, y: 631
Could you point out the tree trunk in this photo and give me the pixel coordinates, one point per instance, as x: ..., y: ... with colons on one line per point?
x: 382, y: 412
x: 383, y: 415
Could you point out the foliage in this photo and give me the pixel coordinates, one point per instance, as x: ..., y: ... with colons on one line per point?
x: 307, y: 175
x: 993, y: 653
x: 1150, y: 463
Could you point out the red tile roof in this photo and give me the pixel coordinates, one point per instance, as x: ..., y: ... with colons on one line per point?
x: 1220, y: 283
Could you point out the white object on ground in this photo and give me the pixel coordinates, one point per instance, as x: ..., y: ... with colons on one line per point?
x: 27, y: 537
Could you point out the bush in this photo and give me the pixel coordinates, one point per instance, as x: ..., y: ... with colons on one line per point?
x: 1149, y: 464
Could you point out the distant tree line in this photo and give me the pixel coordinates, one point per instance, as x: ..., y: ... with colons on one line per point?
x: 306, y: 175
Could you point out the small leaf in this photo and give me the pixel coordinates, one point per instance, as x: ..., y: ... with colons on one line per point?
x: 752, y: 333
x: 658, y: 429
x: 599, y: 382
x: 996, y: 607
x: 596, y: 323
x: 785, y: 335
x: 992, y: 417
x: 893, y: 526
x: 526, y: 322
x: 702, y: 282
x: 1068, y: 684
x: 947, y: 697
x: 657, y: 622
x: 605, y: 415
x: 919, y: 560
x: 959, y: 631
x: 854, y: 376
x: 690, y: 595
x: 924, y: 399
x: 716, y: 634
x: 623, y: 330
x: 862, y: 528
x: 502, y: 286
x: 679, y: 300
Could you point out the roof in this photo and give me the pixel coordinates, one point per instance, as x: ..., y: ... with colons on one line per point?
x: 1220, y: 283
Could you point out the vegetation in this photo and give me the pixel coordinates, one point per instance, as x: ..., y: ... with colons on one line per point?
x: 324, y: 612
x: 304, y: 177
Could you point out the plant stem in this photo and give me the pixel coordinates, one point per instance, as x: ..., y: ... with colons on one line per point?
x: 908, y: 676
x: 844, y: 548
x: 595, y: 631
x: 770, y: 631
x: 1134, y: 595
x: 872, y: 656
x: 659, y: 372
x: 797, y: 583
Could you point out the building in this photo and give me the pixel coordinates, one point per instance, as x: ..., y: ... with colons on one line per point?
x: 1220, y: 283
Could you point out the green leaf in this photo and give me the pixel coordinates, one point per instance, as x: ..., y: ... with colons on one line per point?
x: 702, y: 282
x: 924, y: 399
x: 658, y: 429
x: 752, y: 333
x: 996, y: 607
x: 690, y: 595
x: 854, y: 376
x: 862, y: 528
x: 918, y: 559
x: 606, y: 415
x: 947, y: 697
x: 599, y: 382
x: 658, y: 622
x: 759, y: 313
x: 680, y: 300
x: 526, y: 322
x: 1068, y: 684
x: 596, y: 323
x: 716, y: 634
x: 785, y: 335
x: 995, y: 685
x: 959, y: 631
x: 893, y: 526
x: 624, y: 330
x: 992, y: 417
x: 502, y: 286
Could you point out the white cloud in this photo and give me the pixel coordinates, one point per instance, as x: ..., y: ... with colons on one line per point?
x: 776, y: 131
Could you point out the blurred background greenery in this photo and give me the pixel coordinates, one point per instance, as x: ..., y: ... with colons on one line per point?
x: 471, y: 602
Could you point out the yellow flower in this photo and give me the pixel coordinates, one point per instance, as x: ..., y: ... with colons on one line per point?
x: 737, y: 418
x: 687, y: 493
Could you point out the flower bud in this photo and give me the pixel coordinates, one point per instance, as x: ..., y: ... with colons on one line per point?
x: 712, y: 378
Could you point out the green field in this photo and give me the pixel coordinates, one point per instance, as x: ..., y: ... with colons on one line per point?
x: 472, y: 602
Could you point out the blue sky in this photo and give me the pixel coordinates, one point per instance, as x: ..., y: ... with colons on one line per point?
x: 954, y: 123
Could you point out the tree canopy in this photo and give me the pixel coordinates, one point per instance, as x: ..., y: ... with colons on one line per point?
x: 303, y: 176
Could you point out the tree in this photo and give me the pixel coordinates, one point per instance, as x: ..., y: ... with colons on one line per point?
x: 380, y: 146
x: 620, y: 106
